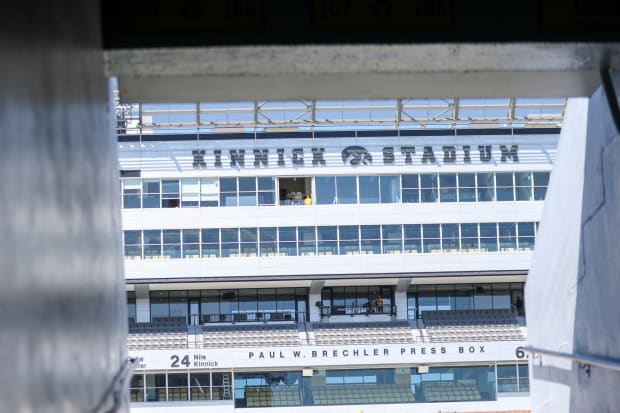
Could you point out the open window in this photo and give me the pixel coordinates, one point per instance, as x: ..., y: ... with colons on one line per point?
x: 292, y: 190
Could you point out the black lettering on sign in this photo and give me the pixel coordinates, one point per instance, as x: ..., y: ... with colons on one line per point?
x: 520, y: 353
x: 175, y: 361
x: 199, y: 159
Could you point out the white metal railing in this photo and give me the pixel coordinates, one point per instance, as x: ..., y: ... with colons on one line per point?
x: 585, y: 360
x: 312, y: 115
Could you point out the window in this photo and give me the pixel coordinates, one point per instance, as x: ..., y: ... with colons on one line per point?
x: 428, y: 188
x: 504, y: 186
x: 432, y: 240
x: 287, y: 241
x: 523, y: 189
x: 526, y: 235
x: 412, y: 238
x: 172, y: 243
x: 170, y: 193
x: 467, y: 187
x: 191, y: 243
x: 469, y: 237
x: 209, y: 192
x: 268, y: 241
x: 486, y: 190
x: 307, y: 240
x: 541, y: 181
x: 390, y: 189
x: 152, y: 243
x: 131, y: 193
x: 249, y: 240
x: 450, y: 237
x: 150, y: 193
x: 507, y: 236
x: 230, y: 242
x: 488, y: 237
x: 325, y: 190
x: 346, y: 189
x: 211, y: 243
x: 190, y: 192
x: 228, y: 192
x: 447, y: 185
x: 370, y: 239
x: 392, y: 239
x: 349, y: 239
x: 327, y: 240
x: 411, y: 188
x: 369, y: 189
x: 133, y: 244
x: 247, y: 191
x: 266, y: 191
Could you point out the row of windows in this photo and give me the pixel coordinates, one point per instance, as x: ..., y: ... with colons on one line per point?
x: 329, y: 240
x: 407, y: 188
x: 204, y: 306
x: 422, y: 298
x: 331, y: 387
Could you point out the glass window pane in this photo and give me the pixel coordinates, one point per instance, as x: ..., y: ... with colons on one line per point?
x: 266, y: 183
x: 410, y: 181
x: 248, y: 234
x: 447, y: 183
x: 268, y: 234
x: 325, y: 188
x: 287, y: 234
x: 228, y: 184
x: 390, y: 189
x: 133, y: 237
x: 370, y: 232
x: 172, y: 236
x: 541, y: 178
x: 211, y: 235
x: 346, y: 189
x: 191, y: 236
x: 486, y: 187
x: 170, y: 186
x: 247, y: 199
x: 369, y: 189
x: 428, y: 183
x: 152, y: 236
x: 349, y: 232
x: 467, y: 187
x: 266, y: 198
x: 450, y: 237
x: 412, y: 231
x: 229, y: 234
x: 247, y: 184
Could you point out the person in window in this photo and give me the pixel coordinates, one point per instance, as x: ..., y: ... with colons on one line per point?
x: 307, y: 200
x: 380, y: 304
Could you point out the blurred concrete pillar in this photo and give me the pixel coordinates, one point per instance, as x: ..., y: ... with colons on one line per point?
x: 62, y: 298
x: 573, y: 287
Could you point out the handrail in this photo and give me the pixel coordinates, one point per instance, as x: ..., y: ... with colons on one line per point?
x: 586, y: 360
x: 115, y: 392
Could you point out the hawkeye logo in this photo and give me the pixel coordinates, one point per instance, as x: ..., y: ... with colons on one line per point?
x: 356, y: 155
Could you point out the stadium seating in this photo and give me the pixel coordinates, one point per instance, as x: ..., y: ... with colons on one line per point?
x: 168, y: 333
x: 450, y: 391
x: 266, y: 396
x: 251, y: 335
x: 362, y: 333
x: 471, y: 325
x: 362, y: 394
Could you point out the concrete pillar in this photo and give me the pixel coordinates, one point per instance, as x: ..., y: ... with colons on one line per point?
x: 314, y: 296
x: 143, y: 304
x: 62, y: 300
x: 573, y: 286
x: 400, y: 298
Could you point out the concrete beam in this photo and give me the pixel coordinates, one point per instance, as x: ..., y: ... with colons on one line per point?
x: 360, y: 71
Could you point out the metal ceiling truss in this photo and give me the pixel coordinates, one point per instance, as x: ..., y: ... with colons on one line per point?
x: 310, y: 115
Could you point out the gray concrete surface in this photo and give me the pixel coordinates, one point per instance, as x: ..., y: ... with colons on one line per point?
x: 372, y: 71
x: 62, y: 299
x: 573, y: 286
